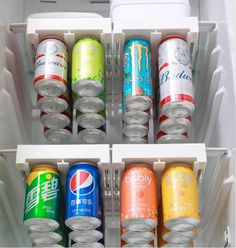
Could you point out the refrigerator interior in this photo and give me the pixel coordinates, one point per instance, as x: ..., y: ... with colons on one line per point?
x: 213, y: 120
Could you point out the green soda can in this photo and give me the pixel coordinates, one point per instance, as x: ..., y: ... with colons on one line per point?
x: 88, y: 67
x: 42, y: 199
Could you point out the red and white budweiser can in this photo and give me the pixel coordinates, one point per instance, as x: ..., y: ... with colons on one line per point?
x: 175, y: 77
x: 51, y: 65
x: 164, y: 138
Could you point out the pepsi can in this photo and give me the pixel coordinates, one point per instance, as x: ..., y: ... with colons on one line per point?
x: 83, y: 197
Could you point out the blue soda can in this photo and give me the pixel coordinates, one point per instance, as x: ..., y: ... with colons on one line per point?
x: 83, y: 197
x: 137, y: 85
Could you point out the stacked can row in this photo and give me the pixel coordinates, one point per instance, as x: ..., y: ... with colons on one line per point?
x: 175, y: 100
x: 45, y: 216
x: 178, y: 215
x: 54, y: 89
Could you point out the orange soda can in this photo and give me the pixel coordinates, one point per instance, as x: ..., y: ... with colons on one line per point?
x: 180, y: 197
x: 139, y: 198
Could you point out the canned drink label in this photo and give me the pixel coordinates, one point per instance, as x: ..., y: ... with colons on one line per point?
x: 175, y: 72
x: 88, y: 61
x: 179, y: 193
x: 43, y: 189
x: 137, y: 69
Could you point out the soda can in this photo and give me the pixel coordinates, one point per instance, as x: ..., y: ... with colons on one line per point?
x: 89, y: 104
x: 135, y: 140
x: 92, y: 136
x: 82, y: 237
x: 42, y: 199
x: 174, y: 125
x: 51, y: 65
x: 137, y: 117
x: 175, y: 77
x: 175, y: 237
x: 91, y: 120
x: 88, y: 67
x: 131, y: 237
x: 164, y: 138
x: 58, y: 136
x: 180, y: 198
x: 55, y: 120
x: 138, y: 198
x: 47, y: 238
x: 137, y: 85
x: 137, y: 246
x: 135, y: 130
x: 49, y: 104
x: 89, y: 245
x: 52, y: 245
x: 83, y: 197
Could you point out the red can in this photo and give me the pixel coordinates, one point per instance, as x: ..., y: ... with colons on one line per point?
x: 138, y: 198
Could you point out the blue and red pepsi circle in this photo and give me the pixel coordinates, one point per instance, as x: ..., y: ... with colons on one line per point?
x: 83, y: 197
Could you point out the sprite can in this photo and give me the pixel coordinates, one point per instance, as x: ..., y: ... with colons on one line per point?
x: 42, y: 199
x: 88, y: 67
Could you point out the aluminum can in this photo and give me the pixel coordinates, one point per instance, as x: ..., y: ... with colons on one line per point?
x: 42, y: 199
x: 186, y: 245
x: 135, y: 130
x: 92, y: 136
x: 180, y: 197
x: 164, y: 138
x: 175, y: 77
x: 88, y: 67
x: 47, y: 238
x: 138, y: 117
x: 89, y: 104
x: 89, y: 245
x: 55, y: 120
x: 174, y: 125
x: 83, y: 197
x: 132, y: 237
x: 89, y: 236
x: 138, y: 198
x: 175, y: 237
x: 58, y: 136
x: 135, y: 140
x: 137, y: 246
x: 137, y: 85
x: 51, y: 65
x: 91, y: 120
x: 49, y: 104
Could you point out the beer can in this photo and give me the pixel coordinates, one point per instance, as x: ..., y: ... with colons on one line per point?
x: 91, y: 120
x: 88, y: 67
x: 92, y: 136
x: 89, y: 104
x: 51, y: 65
x: 138, y: 198
x: 175, y: 237
x: 83, y: 197
x: 49, y: 104
x: 46, y: 238
x: 42, y: 199
x: 175, y: 77
x: 55, y: 120
x: 164, y: 138
x: 135, y: 140
x: 174, y: 125
x: 180, y: 197
x: 89, y: 245
x: 131, y: 237
x: 135, y: 130
x: 137, y: 117
x: 58, y: 136
x: 82, y: 237
x: 137, y: 85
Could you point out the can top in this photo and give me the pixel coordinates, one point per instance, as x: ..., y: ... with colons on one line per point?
x: 178, y: 163
x: 45, y: 167
x: 136, y: 39
x: 51, y: 37
x: 138, y: 165
x: 91, y: 165
x: 170, y: 37
x: 86, y: 39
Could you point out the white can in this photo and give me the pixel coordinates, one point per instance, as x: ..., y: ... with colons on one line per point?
x: 50, y: 104
x: 55, y: 120
x: 135, y: 130
x: 175, y: 77
x: 51, y: 66
x: 58, y: 136
x: 164, y: 138
x: 174, y: 125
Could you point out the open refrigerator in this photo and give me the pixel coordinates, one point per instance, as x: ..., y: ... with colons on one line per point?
x: 211, y: 147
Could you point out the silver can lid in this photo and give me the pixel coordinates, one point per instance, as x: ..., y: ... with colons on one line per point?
x: 83, y: 223
x: 137, y: 246
x: 90, y: 120
x: 139, y: 224
x: 90, y: 245
x: 135, y: 130
x: 137, y: 237
x: 136, y: 117
x: 52, y: 104
x: 41, y: 225
x: 172, y: 138
x: 138, y: 102
x: 135, y: 140
x: 58, y: 136
x: 89, y: 104
x: 46, y: 238
x: 91, y: 135
x: 90, y: 236
x: 177, y: 109
x: 55, y: 120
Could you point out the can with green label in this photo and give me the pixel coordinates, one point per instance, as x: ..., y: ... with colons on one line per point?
x: 88, y: 67
x: 42, y: 199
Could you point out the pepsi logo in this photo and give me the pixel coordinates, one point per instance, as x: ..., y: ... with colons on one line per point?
x: 82, y: 183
